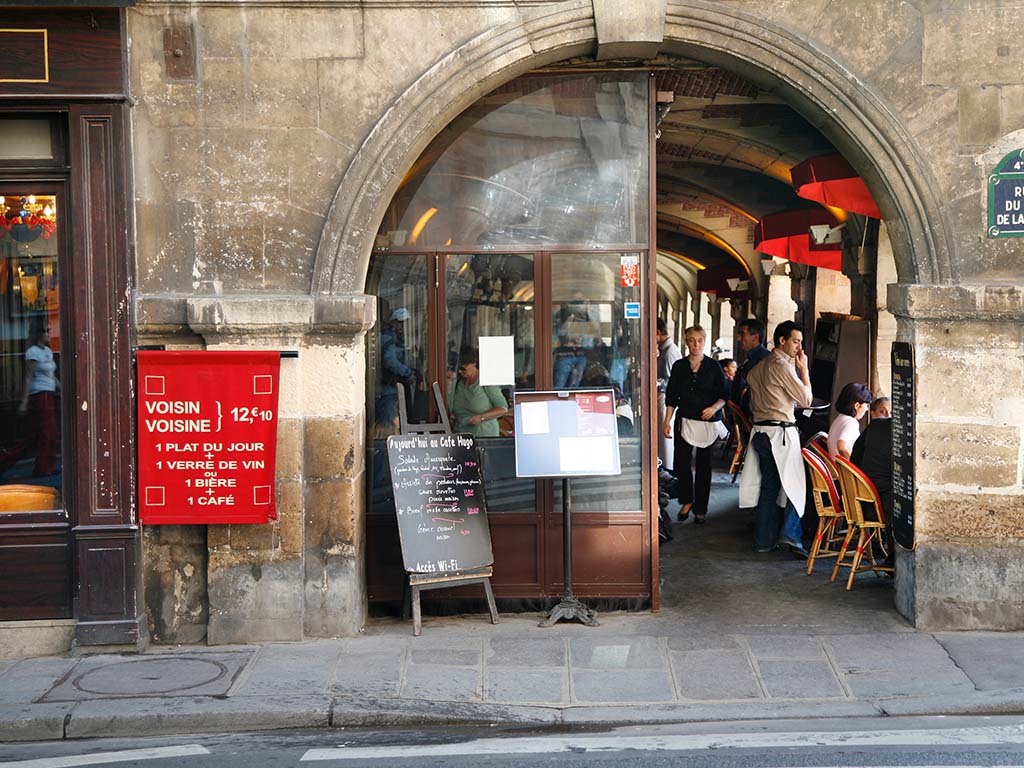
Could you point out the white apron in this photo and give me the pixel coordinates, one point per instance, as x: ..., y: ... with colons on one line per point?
x: 790, y: 463
x: 701, y: 434
x: 666, y: 445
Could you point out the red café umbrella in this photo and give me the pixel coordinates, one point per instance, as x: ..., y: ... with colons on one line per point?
x: 831, y: 180
x: 786, y: 235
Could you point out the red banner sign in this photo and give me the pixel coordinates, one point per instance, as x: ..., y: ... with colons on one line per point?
x: 207, y: 429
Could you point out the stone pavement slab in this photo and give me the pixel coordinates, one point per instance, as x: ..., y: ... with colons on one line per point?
x: 991, y: 660
x: 886, y: 665
x: 29, y: 679
x: 633, y: 686
x: 535, y: 685
x: 715, y: 675
x: 290, y: 668
x: 598, y: 652
x: 799, y: 679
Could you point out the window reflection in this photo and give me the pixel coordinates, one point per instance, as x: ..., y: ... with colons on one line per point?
x: 595, y: 344
x: 541, y: 160
x: 30, y: 377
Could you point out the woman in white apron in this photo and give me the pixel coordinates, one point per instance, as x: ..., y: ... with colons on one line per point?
x: 693, y: 404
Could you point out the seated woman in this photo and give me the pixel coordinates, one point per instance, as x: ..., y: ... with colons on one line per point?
x: 476, y: 408
x: 853, y: 402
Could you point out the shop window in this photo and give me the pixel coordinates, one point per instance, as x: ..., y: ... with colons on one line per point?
x: 32, y: 140
x: 30, y: 360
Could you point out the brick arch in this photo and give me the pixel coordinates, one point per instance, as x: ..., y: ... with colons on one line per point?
x: 857, y: 121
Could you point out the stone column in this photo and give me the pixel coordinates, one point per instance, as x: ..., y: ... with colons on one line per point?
x: 302, y: 575
x: 967, y: 571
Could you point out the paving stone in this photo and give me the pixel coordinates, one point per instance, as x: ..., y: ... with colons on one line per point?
x: 992, y: 661
x: 622, y: 686
x: 439, y: 683
x: 785, y: 647
x: 886, y: 651
x: 715, y: 675
x: 445, y: 657
x: 99, y: 677
x: 910, y: 682
x: 516, y: 685
x: 690, y: 641
x: 799, y: 679
x: 28, y: 679
x: 368, y: 674
x: 516, y: 652
x: 286, y: 668
x: 616, y: 653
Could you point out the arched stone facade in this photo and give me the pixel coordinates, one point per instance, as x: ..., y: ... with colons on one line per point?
x: 832, y: 98
x: 917, y: 126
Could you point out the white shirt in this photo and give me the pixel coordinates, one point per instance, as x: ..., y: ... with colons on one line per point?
x: 43, y: 375
x: 845, y: 428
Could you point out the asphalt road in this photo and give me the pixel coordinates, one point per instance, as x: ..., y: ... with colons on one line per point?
x: 981, y: 741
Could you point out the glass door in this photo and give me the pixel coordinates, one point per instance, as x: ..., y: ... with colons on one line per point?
x: 34, y: 547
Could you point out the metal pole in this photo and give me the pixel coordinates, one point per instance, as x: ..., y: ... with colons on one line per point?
x: 569, y: 608
x: 567, y: 536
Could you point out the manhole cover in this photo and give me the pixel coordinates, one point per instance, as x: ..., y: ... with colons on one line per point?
x: 150, y: 676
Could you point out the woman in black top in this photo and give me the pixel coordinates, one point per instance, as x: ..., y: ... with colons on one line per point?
x: 694, y: 397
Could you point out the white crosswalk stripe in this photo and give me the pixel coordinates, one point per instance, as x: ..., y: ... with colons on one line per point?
x: 100, y: 758
x: 618, y: 743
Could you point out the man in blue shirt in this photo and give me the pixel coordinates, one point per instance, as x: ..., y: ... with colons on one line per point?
x: 750, y: 337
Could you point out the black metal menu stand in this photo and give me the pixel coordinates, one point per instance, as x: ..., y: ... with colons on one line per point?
x: 569, y: 608
x: 566, y: 434
x: 435, y: 558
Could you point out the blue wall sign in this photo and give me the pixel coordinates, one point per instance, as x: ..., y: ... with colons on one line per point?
x: 1006, y: 197
x: 632, y: 310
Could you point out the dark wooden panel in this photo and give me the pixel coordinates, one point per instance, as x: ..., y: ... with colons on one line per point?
x: 23, y: 56
x: 35, y: 573
x: 385, y: 575
x: 84, y: 52
x: 102, y: 364
x: 611, y: 556
x: 108, y: 606
x: 517, y: 567
x: 109, y: 591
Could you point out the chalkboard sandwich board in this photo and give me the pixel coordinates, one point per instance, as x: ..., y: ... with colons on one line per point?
x: 439, y: 500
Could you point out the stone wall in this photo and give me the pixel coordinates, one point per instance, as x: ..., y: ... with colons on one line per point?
x: 967, y: 569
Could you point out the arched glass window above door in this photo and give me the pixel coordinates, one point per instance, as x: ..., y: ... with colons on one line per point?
x: 542, y: 160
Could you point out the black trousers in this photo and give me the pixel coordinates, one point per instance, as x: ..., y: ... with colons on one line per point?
x: 691, y: 489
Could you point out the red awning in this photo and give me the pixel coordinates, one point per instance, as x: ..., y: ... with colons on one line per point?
x: 831, y: 180
x: 786, y: 235
x: 716, y: 280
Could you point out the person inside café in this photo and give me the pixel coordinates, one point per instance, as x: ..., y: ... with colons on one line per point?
x: 476, y: 408
x: 696, y: 392
x: 852, y: 404
x: 773, y: 470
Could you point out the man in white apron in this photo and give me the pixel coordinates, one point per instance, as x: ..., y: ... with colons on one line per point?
x: 773, y: 470
x: 668, y: 355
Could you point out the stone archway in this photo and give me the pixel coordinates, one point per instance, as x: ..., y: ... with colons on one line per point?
x: 831, y: 96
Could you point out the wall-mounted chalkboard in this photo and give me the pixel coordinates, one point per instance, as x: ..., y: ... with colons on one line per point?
x: 566, y: 433
x: 439, y: 499
x: 903, y: 444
